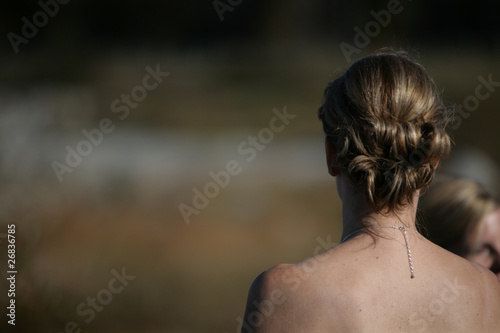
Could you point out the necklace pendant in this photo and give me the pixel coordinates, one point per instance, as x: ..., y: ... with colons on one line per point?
x: 405, y: 234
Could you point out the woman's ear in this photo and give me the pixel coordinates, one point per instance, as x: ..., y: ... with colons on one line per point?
x: 331, y: 161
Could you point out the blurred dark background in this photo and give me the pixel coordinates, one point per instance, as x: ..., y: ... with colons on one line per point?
x: 119, y: 207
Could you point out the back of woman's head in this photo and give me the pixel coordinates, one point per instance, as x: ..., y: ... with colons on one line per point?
x: 387, y: 122
x: 452, y: 210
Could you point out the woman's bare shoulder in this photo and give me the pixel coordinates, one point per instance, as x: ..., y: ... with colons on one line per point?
x: 478, y: 288
x: 490, y: 286
x: 270, y: 300
x: 283, y: 297
x: 279, y: 284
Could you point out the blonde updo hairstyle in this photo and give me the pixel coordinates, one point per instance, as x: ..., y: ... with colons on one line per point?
x: 387, y: 122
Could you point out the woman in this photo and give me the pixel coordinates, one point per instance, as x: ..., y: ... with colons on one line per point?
x: 384, y: 124
x: 463, y: 217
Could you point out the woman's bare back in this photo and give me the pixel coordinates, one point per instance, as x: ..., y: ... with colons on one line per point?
x: 384, y: 123
x: 362, y: 286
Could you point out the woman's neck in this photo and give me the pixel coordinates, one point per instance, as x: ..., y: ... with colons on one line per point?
x: 357, y: 215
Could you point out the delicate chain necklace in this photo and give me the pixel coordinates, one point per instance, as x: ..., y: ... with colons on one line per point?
x: 403, y: 229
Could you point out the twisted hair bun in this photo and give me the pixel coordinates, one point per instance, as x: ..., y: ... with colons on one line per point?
x: 387, y: 122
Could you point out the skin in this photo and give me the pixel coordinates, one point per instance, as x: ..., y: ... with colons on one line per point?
x: 364, y: 284
x: 486, y: 247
